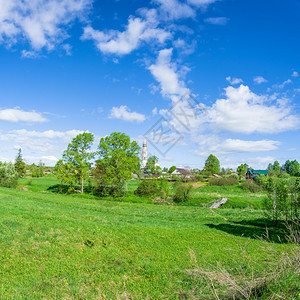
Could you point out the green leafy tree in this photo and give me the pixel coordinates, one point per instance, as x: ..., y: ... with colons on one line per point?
x: 119, y: 159
x: 65, y: 173
x: 172, y: 169
x: 8, y: 175
x: 242, y: 169
x: 212, y: 165
x: 152, y: 165
x: 292, y: 167
x: 20, y: 165
x: 77, y: 159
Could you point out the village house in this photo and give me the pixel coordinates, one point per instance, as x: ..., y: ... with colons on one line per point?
x: 251, y: 174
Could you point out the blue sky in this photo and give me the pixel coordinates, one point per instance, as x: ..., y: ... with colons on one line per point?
x: 195, y: 77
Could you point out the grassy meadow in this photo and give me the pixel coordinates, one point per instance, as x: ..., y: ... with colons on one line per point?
x: 56, y: 246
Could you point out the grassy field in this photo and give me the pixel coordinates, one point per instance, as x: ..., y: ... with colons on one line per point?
x: 59, y: 246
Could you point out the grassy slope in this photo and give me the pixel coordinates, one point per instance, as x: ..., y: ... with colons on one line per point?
x: 62, y: 246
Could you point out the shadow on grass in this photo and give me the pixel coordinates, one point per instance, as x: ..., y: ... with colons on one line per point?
x: 254, y: 229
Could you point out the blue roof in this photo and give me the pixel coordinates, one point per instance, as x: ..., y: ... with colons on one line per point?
x: 260, y: 172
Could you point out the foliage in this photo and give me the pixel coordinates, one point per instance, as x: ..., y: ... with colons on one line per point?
x: 283, y: 199
x: 164, y: 188
x: 172, y: 169
x: 147, y: 187
x: 183, y: 192
x: 152, y: 165
x: 8, y: 175
x: 212, y: 165
x: 75, y: 164
x: 222, y: 181
x: 20, y: 165
x: 249, y: 185
x: 262, y: 181
x: 37, y: 171
x: 119, y: 159
x: 292, y: 167
x: 242, y: 169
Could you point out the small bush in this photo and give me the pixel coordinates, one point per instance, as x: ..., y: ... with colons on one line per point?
x: 262, y: 181
x: 234, y: 175
x: 251, y: 186
x: 8, y: 175
x: 222, y: 181
x: 164, y: 189
x: 200, y: 178
x: 147, y: 188
x: 183, y: 192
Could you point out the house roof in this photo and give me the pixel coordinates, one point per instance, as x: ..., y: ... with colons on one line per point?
x: 183, y: 171
x: 260, y: 172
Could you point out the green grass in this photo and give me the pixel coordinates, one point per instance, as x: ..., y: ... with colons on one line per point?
x: 60, y: 246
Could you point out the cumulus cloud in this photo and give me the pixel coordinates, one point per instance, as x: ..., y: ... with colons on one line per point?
x: 18, y: 115
x: 217, y: 20
x: 259, y: 79
x: 174, y: 9
x: 124, y: 113
x: 295, y: 74
x: 40, y: 22
x: 234, y: 80
x: 245, y: 112
x: 137, y: 31
x: 37, y: 145
x: 213, y: 144
x: 166, y: 73
x: 201, y: 3
x: 282, y: 85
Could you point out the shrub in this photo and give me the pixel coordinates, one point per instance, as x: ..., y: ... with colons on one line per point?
x: 8, y: 175
x: 147, y: 187
x: 183, y: 192
x: 200, y: 178
x: 164, y: 188
x: 234, y: 175
x: 249, y: 185
x: 222, y: 181
x: 104, y: 190
x: 262, y: 181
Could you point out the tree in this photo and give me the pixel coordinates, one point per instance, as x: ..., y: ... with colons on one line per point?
x: 292, y: 167
x: 152, y: 165
x: 8, y: 175
x: 20, y: 165
x: 119, y: 159
x: 172, y: 169
x: 212, y: 165
x: 75, y: 164
x: 242, y: 169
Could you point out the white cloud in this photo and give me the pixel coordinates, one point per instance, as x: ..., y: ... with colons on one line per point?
x: 201, y: 3
x: 217, y: 20
x: 213, y: 144
x: 234, y: 80
x: 37, y: 145
x: 295, y: 74
x: 174, y: 9
x: 40, y: 22
x: 121, y: 43
x: 18, y: 115
x: 259, y: 79
x: 245, y: 112
x: 282, y: 85
x: 166, y: 73
x: 185, y: 47
x: 123, y: 113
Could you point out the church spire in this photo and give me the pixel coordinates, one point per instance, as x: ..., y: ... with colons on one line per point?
x: 144, y: 154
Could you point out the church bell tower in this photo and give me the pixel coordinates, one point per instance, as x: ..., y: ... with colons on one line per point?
x: 144, y: 155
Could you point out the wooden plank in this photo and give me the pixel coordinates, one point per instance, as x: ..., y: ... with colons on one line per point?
x: 219, y: 203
